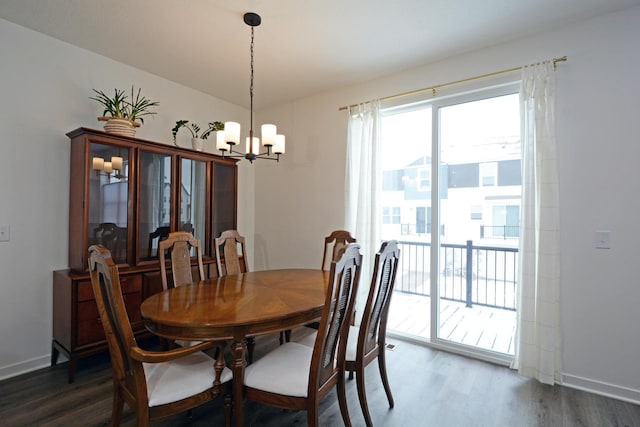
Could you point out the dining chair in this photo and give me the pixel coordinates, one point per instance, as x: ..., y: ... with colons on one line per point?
x: 229, y: 259
x: 333, y: 243
x: 179, y: 245
x: 367, y: 341
x: 155, y: 384
x: 295, y: 376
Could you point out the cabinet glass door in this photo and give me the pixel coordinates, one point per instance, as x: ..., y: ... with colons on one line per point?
x: 224, y: 203
x: 193, y: 199
x: 109, y: 199
x: 154, y: 200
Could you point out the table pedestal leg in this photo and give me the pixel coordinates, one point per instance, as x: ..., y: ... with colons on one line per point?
x: 238, y: 350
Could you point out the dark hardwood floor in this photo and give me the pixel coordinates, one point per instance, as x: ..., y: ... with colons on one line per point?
x: 430, y: 387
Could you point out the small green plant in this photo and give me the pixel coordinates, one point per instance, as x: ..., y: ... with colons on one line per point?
x: 194, y: 129
x: 121, y: 106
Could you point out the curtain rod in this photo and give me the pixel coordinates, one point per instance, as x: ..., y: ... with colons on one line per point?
x: 433, y: 88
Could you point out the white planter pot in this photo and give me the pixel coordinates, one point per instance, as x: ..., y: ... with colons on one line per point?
x: 120, y: 127
x: 197, y: 143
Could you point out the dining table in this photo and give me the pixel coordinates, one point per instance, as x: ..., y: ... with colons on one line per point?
x: 235, y: 308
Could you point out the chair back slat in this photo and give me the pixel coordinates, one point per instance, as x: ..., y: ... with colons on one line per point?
x: 180, y: 245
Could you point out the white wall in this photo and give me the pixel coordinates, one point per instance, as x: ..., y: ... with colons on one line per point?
x: 598, y: 110
x: 44, y: 90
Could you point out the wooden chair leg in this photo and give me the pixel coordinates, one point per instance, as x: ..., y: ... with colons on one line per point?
x: 362, y: 396
x: 117, y: 408
x: 285, y: 336
x: 382, y: 365
x: 251, y: 344
x: 227, y: 410
x: 342, y: 401
x: 312, y: 416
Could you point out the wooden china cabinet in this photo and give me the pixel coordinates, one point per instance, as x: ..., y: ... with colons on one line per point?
x: 157, y: 189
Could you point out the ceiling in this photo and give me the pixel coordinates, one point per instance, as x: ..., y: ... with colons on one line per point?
x: 302, y: 47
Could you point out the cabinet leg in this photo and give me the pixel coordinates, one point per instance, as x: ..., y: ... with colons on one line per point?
x: 54, y: 353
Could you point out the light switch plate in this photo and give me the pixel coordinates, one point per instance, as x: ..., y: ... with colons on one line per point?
x: 5, y: 233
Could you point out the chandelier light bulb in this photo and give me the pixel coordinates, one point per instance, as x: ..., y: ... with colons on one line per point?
x: 268, y: 135
x: 278, y: 147
x: 232, y: 133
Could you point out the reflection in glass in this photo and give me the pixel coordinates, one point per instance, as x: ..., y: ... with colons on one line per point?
x: 225, y: 202
x: 193, y: 199
x: 155, y: 202
x: 108, y: 201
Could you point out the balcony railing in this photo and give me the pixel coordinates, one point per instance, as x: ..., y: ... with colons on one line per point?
x: 499, y: 231
x: 475, y: 275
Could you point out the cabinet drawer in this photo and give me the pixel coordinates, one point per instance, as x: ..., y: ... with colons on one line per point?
x: 128, y: 284
x: 89, y: 324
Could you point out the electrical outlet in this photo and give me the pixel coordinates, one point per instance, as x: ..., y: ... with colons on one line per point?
x: 5, y: 233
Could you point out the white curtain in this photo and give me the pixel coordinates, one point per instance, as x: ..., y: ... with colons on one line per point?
x: 538, y: 341
x: 363, y: 185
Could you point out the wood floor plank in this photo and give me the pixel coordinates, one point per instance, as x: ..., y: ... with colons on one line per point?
x: 430, y: 388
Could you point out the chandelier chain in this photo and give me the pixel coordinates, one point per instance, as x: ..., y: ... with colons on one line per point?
x: 251, y: 90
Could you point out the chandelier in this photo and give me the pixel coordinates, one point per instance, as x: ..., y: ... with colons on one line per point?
x: 228, y: 138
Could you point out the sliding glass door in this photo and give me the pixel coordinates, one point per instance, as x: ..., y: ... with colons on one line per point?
x: 451, y: 196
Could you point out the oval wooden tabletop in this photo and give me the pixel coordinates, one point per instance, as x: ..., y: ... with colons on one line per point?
x: 233, y: 306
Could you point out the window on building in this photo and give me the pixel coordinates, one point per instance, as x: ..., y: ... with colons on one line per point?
x: 476, y: 212
x: 506, y: 221
x: 424, y: 179
x: 464, y: 175
x: 391, y: 215
x: 488, y: 171
x: 509, y: 172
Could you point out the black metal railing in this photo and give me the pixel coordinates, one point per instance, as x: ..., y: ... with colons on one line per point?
x: 475, y: 275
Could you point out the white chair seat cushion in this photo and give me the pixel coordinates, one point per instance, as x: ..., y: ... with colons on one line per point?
x: 284, y: 371
x: 181, y: 378
x: 352, y: 342
x: 183, y: 343
x: 309, y: 340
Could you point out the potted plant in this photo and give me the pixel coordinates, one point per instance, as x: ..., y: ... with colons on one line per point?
x: 123, y: 113
x: 197, y: 139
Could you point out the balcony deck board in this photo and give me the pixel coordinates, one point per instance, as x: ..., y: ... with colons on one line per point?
x: 488, y: 328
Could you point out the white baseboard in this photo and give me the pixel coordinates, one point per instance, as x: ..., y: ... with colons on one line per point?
x: 24, y: 367
x: 603, y: 389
